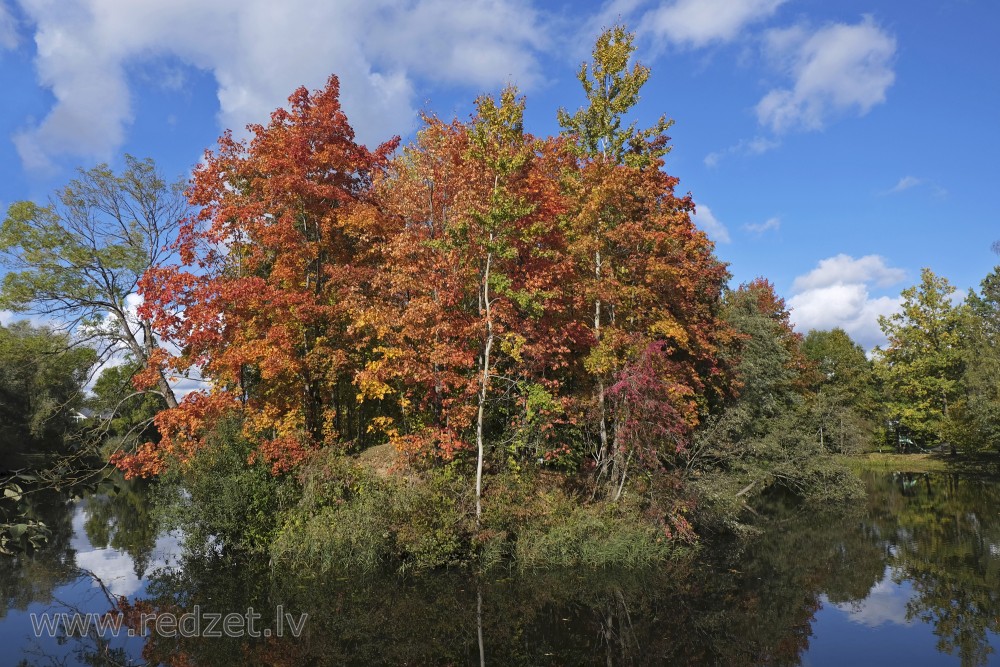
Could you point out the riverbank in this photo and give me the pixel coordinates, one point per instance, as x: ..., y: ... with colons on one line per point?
x: 978, y: 463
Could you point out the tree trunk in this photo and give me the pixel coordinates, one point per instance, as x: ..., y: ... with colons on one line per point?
x: 484, y: 384
x: 604, y: 452
x: 143, y: 352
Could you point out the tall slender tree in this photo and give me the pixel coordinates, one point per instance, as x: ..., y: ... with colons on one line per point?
x: 652, y: 280
x: 476, y: 271
x: 611, y: 89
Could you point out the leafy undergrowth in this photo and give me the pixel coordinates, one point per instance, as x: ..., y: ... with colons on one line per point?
x: 353, y: 518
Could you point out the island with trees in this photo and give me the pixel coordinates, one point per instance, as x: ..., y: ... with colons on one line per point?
x: 482, y: 348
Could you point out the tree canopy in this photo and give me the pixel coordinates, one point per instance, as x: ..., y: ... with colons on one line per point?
x: 79, y: 257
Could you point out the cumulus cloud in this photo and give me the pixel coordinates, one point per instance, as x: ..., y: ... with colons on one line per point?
x: 834, y: 70
x: 758, y: 228
x: 710, y: 224
x: 259, y: 51
x: 698, y: 23
x: 182, y: 385
x: 837, y: 293
x: 843, y: 269
x: 885, y: 603
x: 8, y: 28
x: 116, y: 569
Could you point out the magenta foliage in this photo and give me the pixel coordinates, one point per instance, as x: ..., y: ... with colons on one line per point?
x: 654, y: 412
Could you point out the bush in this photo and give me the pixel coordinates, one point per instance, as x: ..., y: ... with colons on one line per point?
x: 352, y: 519
x: 565, y: 533
x: 221, y: 501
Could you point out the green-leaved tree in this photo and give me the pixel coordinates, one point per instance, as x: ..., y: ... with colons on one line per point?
x: 921, y: 365
x: 78, y: 258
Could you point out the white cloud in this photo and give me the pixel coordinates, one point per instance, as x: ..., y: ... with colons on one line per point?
x: 698, y: 23
x: 755, y: 146
x: 758, y: 228
x: 260, y: 51
x: 905, y: 183
x: 834, y: 70
x: 843, y: 269
x: 114, y: 568
x: 910, y: 182
x: 885, y: 603
x: 710, y: 224
x: 837, y: 294
x: 8, y: 28
x: 182, y: 385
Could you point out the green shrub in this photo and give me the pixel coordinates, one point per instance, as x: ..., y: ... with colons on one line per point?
x: 566, y: 533
x: 352, y: 519
x: 221, y: 501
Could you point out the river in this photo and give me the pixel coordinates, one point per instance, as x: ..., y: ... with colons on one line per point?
x: 910, y: 578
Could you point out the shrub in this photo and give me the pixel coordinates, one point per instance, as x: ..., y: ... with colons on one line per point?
x: 221, y: 501
x: 352, y: 519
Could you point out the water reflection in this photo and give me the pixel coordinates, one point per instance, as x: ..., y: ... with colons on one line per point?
x: 909, y: 577
x: 102, y: 546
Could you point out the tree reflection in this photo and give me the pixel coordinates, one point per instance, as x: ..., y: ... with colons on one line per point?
x: 754, y: 606
x: 27, y: 578
x: 120, y: 516
x: 733, y: 603
x: 945, y: 537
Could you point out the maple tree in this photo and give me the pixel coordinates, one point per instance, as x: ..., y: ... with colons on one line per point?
x: 475, y: 271
x: 267, y: 299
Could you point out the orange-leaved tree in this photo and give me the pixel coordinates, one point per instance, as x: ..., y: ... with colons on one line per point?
x: 650, y: 276
x: 476, y: 273
x: 269, y: 300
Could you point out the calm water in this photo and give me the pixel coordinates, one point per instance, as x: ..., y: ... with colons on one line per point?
x: 913, y: 578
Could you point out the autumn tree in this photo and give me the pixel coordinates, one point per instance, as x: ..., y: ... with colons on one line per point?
x: 78, y: 259
x: 921, y: 365
x: 476, y: 272
x: 271, y: 286
x: 649, y: 275
x: 611, y: 90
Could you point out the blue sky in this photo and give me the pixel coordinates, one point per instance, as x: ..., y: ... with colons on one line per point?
x: 833, y: 147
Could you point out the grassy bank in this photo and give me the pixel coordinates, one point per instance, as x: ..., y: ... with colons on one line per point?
x: 880, y: 462
x: 981, y: 463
